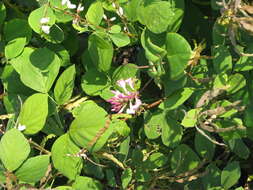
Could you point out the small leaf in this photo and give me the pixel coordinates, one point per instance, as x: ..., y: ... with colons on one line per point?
x: 120, y: 39
x: 63, y: 151
x: 32, y: 116
x: 33, y: 169
x: 235, y: 83
x: 183, y: 159
x: 190, y: 118
x: 178, y: 54
x: 94, y: 82
x: 126, y: 177
x: 222, y: 61
x: 65, y: 85
x: 155, y: 160
x: 101, y: 52
x: 178, y: 98
x: 230, y: 174
x: 86, y: 183
x: 14, y: 149
x: 203, y: 146
x: 239, y: 148
x: 14, y: 47
x: 95, y: 13
x: 153, y: 124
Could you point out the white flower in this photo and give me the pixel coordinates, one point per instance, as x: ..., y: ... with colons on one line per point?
x: 112, y: 19
x: 120, y: 11
x: 114, y: 5
x: 63, y: 2
x: 105, y: 17
x: 70, y: 5
x: 44, y: 20
x: 45, y: 29
x: 21, y: 127
x: 80, y: 8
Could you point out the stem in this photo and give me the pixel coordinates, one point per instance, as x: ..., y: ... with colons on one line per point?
x: 38, y: 147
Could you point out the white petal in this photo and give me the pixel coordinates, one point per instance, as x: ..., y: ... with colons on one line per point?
x: 112, y: 19
x: 122, y: 84
x: 44, y: 20
x: 21, y: 127
x: 45, y: 29
x: 80, y: 8
x: 63, y: 2
x: 120, y: 12
x: 114, y: 5
x: 70, y: 5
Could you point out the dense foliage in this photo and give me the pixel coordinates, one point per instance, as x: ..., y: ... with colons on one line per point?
x: 126, y: 94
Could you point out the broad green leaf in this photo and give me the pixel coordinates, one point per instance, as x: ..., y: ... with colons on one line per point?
x: 32, y: 116
x: 222, y: 61
x: 183, y: 159
x: 36, y: 15
x: 153, y: 124
x: 14, y: 149
x: 212, y: 179
x: 56, y: 35
x: 235, y: 83
x: 14, y: 47
x: 33, y: 169
x: 95, y: 13
x: 230, y: 174
x: 90, y: 131
x: 172, y: 132
x: 83, y: 183
x: 131, y: 10
x: 65, y: 85
x: 62, y: 53
x: 244, y: 63
x: 17, y: 28
x: 178, y: 98
x: 101, y: 52
x: 2, y: 13
x: 190, y: 118
x: 94, y: 82
x: 120, y: 39
x: 157, y: 16
x: 64, y: 159
x: 39, y: 69
x: 155, y: 160
x: 178, y: 54
x: 239, y: 148
x: 204, y: 146
x: 124, y: 72
x: 12, y: 83
x: 153, y: 45
x: 59, y: 14
x: 126, y: 177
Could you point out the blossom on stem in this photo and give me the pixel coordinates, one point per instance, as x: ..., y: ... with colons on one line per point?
x: 21, y: 127
x: 45, y: 29
x: 126, y: 101
x: 44, y: 20
x: 69, y: 4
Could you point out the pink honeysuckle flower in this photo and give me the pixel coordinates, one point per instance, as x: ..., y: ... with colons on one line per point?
x: 127, y: 101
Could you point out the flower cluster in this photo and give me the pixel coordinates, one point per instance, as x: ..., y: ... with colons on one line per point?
x: 126, y: 101
x: 44, y: 25
x: 72, y: 6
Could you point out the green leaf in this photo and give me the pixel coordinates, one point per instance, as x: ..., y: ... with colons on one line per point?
x: 36, y: 15
x: 124, y: 72
x: 155, y: 160
x: 172, y: 132
x: 190, y: 118
x: 95, y: 13
x: 62, y: 53
x: 244, y: 63
x: 239, y: 148
x: 14, y: 47
x: 17, y: 28
x: 64, y: 188
x: 63, y: 151
x: 65, y: 85
x: 2, y: 13
x: 101, y: 52
x: 230, y: 174
x: 235, y: 83
x: 86, y: 183
x: 153, y: 45
x: 222, y: 61
x: 94, y: 82
x: 203, y: 146
x: 126, y: 177
x: 56, y: 35
x: 39, y: 69
x: 120, y: 39
x: 157, y: 16
x: 33, y: 169
x: 14, y: 149
x: 178, y: 54
x: 212, y: 179
x: 32, y: 116
x: 90, y: 131
x: 183, y: 159
x: 178, y: 98
x: 153, y: 123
